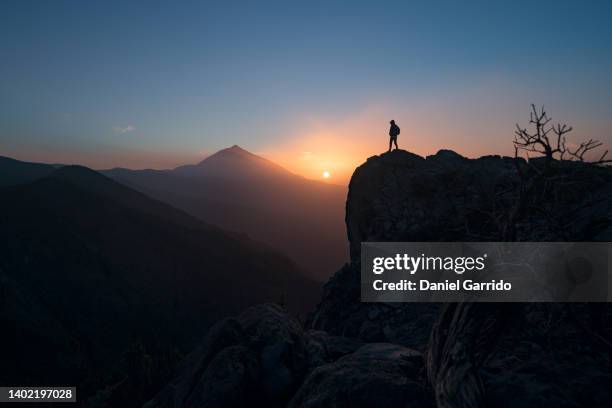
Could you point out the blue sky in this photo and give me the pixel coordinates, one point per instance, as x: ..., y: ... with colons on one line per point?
x: 155, y: 84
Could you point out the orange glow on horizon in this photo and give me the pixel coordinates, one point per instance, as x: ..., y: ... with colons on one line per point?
x: 340, y: 146
x: 473, y: 119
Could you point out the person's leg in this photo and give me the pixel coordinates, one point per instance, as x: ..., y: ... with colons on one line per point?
x: 390, y: 144
x: 395, y: 141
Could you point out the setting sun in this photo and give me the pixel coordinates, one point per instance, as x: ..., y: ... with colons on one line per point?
x: 326, y: 174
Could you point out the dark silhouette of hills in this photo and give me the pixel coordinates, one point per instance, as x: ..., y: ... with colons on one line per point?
x: 16, y: 172
x: 100, y: 283
x: 243, y: 192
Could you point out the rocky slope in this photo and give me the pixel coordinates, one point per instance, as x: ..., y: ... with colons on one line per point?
x: 356, y: 354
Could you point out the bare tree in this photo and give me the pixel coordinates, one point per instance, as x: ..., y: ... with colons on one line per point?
x: 550, y: 140
x: 585, y: 147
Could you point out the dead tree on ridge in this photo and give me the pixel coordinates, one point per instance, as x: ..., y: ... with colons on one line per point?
x: 550, y: 140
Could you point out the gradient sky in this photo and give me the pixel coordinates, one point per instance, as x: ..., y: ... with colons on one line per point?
x: 311, y: 85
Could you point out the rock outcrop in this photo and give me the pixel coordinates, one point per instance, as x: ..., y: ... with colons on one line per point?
x: 257, y: 358
x: 377, y: 374
x: 263, y: 358
x: 399, y: 196
x: 353, y: 354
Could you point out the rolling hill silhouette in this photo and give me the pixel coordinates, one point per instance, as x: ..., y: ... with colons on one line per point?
x: 89, y: 266
x: 240, y: 191
x: 16, y: 172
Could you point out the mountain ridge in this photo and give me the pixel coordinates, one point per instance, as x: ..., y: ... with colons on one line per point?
x: 13, y: 171
x: 241, y: 192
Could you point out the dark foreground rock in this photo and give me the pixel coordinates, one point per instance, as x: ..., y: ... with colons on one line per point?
x: 376, y: 375
x: 264, y: 358
x: 354, y: 354
x: 399, y: 196
x: 258, y: 358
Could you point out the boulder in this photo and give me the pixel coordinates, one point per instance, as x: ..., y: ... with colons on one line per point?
x: 259, y: 357
x: 229, y: 380
x: 222, y: 335
x: 324, y: 348
x: 278, y: 342
x: 376, y: 375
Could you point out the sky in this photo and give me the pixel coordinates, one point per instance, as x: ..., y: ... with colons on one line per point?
x: 311, y: 85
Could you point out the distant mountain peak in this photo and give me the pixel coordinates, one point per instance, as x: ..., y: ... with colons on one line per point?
x: 235, y: 149
x: 236, y: 162
x: 231, y: 152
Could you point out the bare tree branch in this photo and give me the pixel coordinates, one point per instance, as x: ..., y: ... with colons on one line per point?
x: 538, y: 140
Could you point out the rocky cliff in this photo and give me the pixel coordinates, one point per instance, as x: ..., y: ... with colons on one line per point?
x: 355, y: 354
x: 400, y: 196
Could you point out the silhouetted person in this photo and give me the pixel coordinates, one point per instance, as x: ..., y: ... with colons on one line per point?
x: 394, y: 130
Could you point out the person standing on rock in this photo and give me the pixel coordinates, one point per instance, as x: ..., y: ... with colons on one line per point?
x: 394, y: 130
